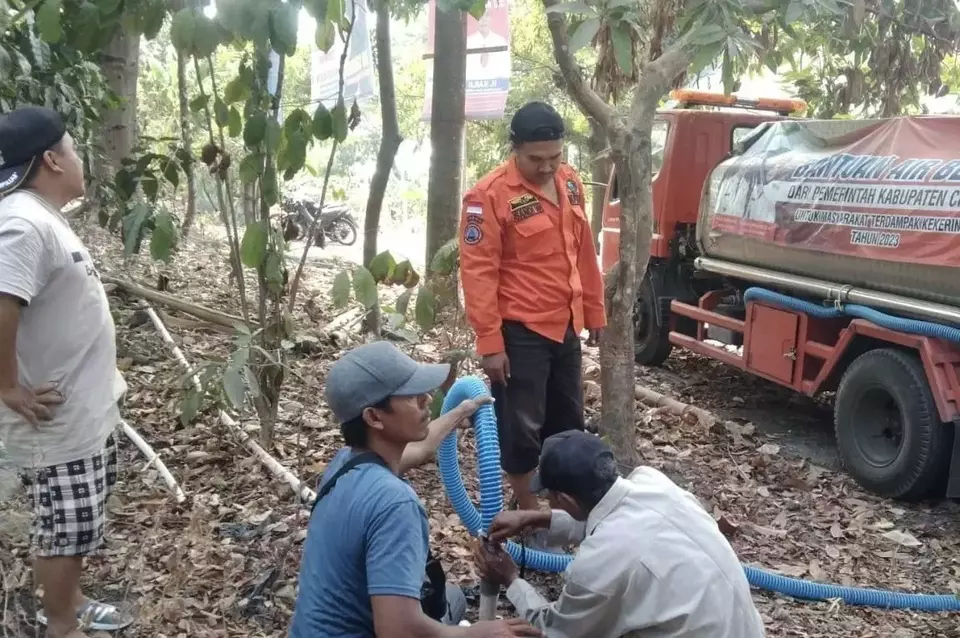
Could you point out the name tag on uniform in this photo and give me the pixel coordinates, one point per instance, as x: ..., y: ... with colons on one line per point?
x: 524, y: 207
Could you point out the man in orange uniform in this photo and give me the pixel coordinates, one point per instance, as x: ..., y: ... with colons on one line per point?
x: 531, y: 283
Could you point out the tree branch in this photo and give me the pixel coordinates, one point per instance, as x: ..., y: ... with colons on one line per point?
x: 585, y: 97
x: 657, y: 76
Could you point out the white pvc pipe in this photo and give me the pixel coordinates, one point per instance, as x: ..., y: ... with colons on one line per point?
x: 153, y: 459
x: 489, y: 593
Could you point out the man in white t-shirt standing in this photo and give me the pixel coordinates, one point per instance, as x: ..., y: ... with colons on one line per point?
x: 58, y: 399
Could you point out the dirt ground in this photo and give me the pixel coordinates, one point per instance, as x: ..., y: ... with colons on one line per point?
x: 224, y: 563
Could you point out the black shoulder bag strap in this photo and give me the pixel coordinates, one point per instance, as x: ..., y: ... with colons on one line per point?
x: 433, y: 592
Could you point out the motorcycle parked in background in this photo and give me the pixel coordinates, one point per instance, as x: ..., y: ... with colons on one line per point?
x: 336, y: 226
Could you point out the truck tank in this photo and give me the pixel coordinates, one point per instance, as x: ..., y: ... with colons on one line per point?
x: 871, y: 203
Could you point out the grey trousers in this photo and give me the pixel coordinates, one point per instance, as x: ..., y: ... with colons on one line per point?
x: 456, y: 605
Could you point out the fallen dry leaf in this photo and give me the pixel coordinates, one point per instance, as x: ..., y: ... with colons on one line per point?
x: 902, y: 538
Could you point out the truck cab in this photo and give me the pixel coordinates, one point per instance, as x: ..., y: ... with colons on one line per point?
x: 688, y: 141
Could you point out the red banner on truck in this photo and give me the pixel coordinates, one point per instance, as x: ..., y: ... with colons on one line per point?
x: 879, y: 189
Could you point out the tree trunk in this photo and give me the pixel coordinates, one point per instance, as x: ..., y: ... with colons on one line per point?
x: 390, y: 140
x: 599, y: 173
x: 630, y: 145
x: 186, y: 139
x: 119, y: 63
x: 446, y: 128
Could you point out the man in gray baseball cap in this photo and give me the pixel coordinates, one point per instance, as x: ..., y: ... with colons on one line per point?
x: 367, y: 569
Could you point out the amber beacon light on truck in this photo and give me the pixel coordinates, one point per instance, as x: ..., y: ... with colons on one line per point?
x: 784, y: 106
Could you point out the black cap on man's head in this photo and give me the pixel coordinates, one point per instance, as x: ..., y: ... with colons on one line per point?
x: 536, y: 122
x: 25, y: 134
x: 568, y: 461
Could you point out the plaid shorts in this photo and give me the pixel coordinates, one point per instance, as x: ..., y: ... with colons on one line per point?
x: 69, y: 503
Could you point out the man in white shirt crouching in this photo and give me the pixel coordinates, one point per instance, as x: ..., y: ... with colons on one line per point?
x: 651, y: 563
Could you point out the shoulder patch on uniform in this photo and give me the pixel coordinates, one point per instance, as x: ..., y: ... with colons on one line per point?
x: 472, y: 233
x: 573, y: 192
x: 474, y: 209
x: 521, y: 201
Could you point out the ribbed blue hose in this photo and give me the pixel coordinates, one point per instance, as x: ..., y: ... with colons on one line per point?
x: 912, y: 326
x: 491, y: 503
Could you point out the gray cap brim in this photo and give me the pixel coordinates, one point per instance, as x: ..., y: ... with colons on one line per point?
x: 427, y: 378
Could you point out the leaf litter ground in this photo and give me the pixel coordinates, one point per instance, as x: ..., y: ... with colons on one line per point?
x: 225, y: 562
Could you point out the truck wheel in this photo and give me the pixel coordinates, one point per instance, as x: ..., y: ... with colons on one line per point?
x: 888, y: 430
x: 651, y: 336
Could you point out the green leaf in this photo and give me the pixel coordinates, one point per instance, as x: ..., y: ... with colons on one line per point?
x: 364, y: 287
x: 445, y: 259
x: 477, y: 9
x: 294, y: 156
x: 234, y: 387
x: 133, y: 223
x: 297, y: 123
x: 405, y: 275
x: 151, y: 18
x: 340, y: 292
x: 273, y: 135
x: 199, y: 103
x: 382, y: 266
x: 251, y: 168
x: 234, y: 122
x: 163, y: 241
x: 584, y: 33
x: 268, y: 185
x: 220, y: 113
x: 206, y: 36
x: 571, y: 7
x: 402, y: 304
x: 336, y: 11
x: 87, y: 26
x: 108, y: 7
x: 48, y: 21
x: 324, y: 36
x: 150, y: 185
x: 253, y: 246
x: 190, y: 406
x: 125, y: 184
x: 704, y: 57
x: 182, y: 30
x: 273, y: 271
x: 237, y: 89
x: 727, y: 73
x: 794, y: 11
x: 621, y: 37
x: 283, y: 28
x: 426, y: 309
x: 338, y: 118
x: 255, y: 130
x: 322, y: 123
x: 708, y: 34
x: 317, y: 9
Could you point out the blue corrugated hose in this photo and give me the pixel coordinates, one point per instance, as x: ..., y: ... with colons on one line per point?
x: 491, y: 503
x: 912, y: 326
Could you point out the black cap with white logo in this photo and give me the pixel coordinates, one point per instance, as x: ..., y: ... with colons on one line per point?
x: 25, y: 134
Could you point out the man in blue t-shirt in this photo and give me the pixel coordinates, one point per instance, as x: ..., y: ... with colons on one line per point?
x: 366, y: 550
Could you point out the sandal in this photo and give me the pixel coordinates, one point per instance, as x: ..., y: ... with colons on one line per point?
x: 97, y: 616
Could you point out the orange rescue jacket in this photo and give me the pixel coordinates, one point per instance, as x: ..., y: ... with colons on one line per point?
x: 524, y: 259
